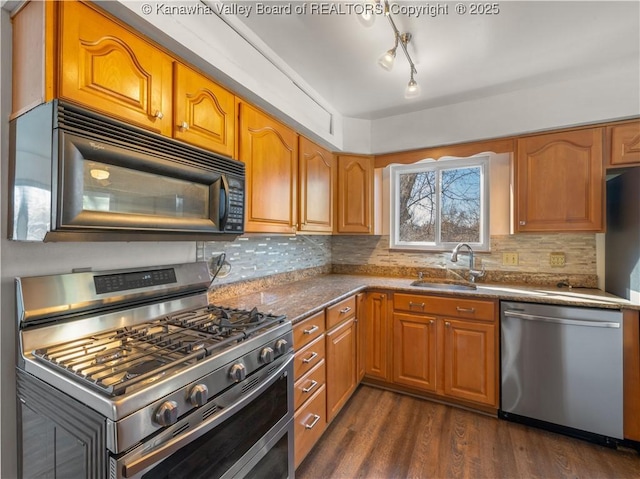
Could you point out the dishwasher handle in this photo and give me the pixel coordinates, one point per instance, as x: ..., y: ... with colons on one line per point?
x: 568, y: 322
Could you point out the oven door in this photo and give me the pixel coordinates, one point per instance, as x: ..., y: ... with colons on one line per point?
x: 245, y: 432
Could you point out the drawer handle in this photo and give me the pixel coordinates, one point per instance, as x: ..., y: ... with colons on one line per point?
x: 345, y: 310
x: 310, y: 358
x: 417, y: 305
x: 310, y: 388
x: 465, y: 310
x: 316, y: 418
x: 311, y: 330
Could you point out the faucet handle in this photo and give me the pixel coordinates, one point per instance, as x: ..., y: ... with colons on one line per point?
x: 474, y: 273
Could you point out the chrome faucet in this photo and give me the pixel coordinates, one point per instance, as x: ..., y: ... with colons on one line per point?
x: 473, y: 273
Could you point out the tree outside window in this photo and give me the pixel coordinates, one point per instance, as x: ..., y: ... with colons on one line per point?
x: 437, y: 204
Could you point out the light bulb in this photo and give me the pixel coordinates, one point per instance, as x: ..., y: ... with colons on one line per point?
x: 387, y: 59
x: 413, y: 89
x: 99, y: 174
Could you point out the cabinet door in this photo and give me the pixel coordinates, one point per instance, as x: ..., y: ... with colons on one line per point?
x: 559, y: 181
x: 107, y: 68
x: 270, y: 153
x: 203, y: 112
x: 361, y: 311
x: 355, y: 194
x: 470, y: 361
x: 317, y: 172
x: 341, y: 366
x: 376, y: 337
x: 414, y: 351
x: 625, y: 144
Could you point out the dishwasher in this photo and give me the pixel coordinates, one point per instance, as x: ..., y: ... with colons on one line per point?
x: 561, y: 369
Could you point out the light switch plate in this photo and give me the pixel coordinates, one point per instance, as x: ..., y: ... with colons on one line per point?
x: 557, y: 260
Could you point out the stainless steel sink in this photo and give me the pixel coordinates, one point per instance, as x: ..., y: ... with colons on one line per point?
x: 443, y: 285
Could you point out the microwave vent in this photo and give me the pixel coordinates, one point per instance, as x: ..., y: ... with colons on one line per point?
x: 89, y: 124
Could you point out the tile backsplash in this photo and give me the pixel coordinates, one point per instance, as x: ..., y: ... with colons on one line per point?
x: 256, y: 257
x: 252, y: 257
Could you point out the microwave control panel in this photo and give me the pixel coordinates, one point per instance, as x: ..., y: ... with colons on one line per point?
x: 235, y: 217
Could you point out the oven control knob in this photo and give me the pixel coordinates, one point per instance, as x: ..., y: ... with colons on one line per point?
x: 238, y: 372
x: 167, y: 413
x: 266, y: 355
x: 198, y: 395
x: 281, y: 346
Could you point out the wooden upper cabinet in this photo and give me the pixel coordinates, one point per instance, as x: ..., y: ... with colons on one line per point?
x: 624, y: 141
x: 106, y: 67
x: 560, y: 182
x: 203, y: 112
x: 355, y: 194
x: 317, y: 173
x: 270, y: 152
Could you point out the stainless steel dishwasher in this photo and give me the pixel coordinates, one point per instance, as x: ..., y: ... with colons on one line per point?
x: 562, y: 366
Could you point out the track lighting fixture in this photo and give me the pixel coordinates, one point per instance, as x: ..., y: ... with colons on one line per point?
x: 387, y: 59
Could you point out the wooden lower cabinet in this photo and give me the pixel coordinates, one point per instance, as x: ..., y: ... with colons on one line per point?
x: 414, y: 351
x: 361, y: 311
x: 310, y: 421
x: 469, y: 358
x: 326, y: 368
x: 342, y: 371
x: 309, y: 369
x: 376, y: 337
x: 447, y: 347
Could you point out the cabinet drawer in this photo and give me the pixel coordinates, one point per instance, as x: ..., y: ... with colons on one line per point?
x: 456, y: 307
x: 306, y: 358
x: 308, y: 384
x: 306, y: 331
x: 309, y: 424
x: 339, y: 312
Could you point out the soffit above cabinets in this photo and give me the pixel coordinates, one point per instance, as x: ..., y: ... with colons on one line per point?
x: 458, y: 57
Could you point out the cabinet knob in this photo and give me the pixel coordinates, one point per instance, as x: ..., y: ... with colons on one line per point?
x: 184, y: 125
x: 522, y: 223
x: 431, y: 322
x: 158, y: 114
x: 447, y: 324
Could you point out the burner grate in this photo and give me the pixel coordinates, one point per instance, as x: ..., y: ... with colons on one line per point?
x: 128, y: 358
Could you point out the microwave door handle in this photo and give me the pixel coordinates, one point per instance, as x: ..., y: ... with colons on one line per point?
x: 225, y: 200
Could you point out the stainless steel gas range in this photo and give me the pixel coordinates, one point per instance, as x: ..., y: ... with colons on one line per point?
x: 132, y: 374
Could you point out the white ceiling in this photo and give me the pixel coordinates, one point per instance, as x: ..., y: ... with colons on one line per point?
x: 458, y: 57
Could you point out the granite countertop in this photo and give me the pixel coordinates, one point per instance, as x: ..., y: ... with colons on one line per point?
x: 300, y: 299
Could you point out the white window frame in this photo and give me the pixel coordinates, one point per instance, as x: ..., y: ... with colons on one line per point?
x: 439, y: 165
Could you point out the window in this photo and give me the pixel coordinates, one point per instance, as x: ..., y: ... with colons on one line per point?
x: 438, y: 204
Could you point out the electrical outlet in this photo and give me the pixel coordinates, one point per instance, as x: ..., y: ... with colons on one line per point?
x: 510, y: 259
x: 557, y: 260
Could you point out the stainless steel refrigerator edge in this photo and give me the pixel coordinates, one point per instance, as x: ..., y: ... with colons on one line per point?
x: 563, y: 366
x: 622, y: 239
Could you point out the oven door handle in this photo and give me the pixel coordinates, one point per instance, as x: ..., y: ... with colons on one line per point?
x: 142, y: 460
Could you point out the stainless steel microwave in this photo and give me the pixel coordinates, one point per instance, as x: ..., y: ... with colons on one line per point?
x: 80, y: 176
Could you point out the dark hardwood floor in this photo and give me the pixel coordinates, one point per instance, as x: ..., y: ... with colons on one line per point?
x: 381, y: 434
